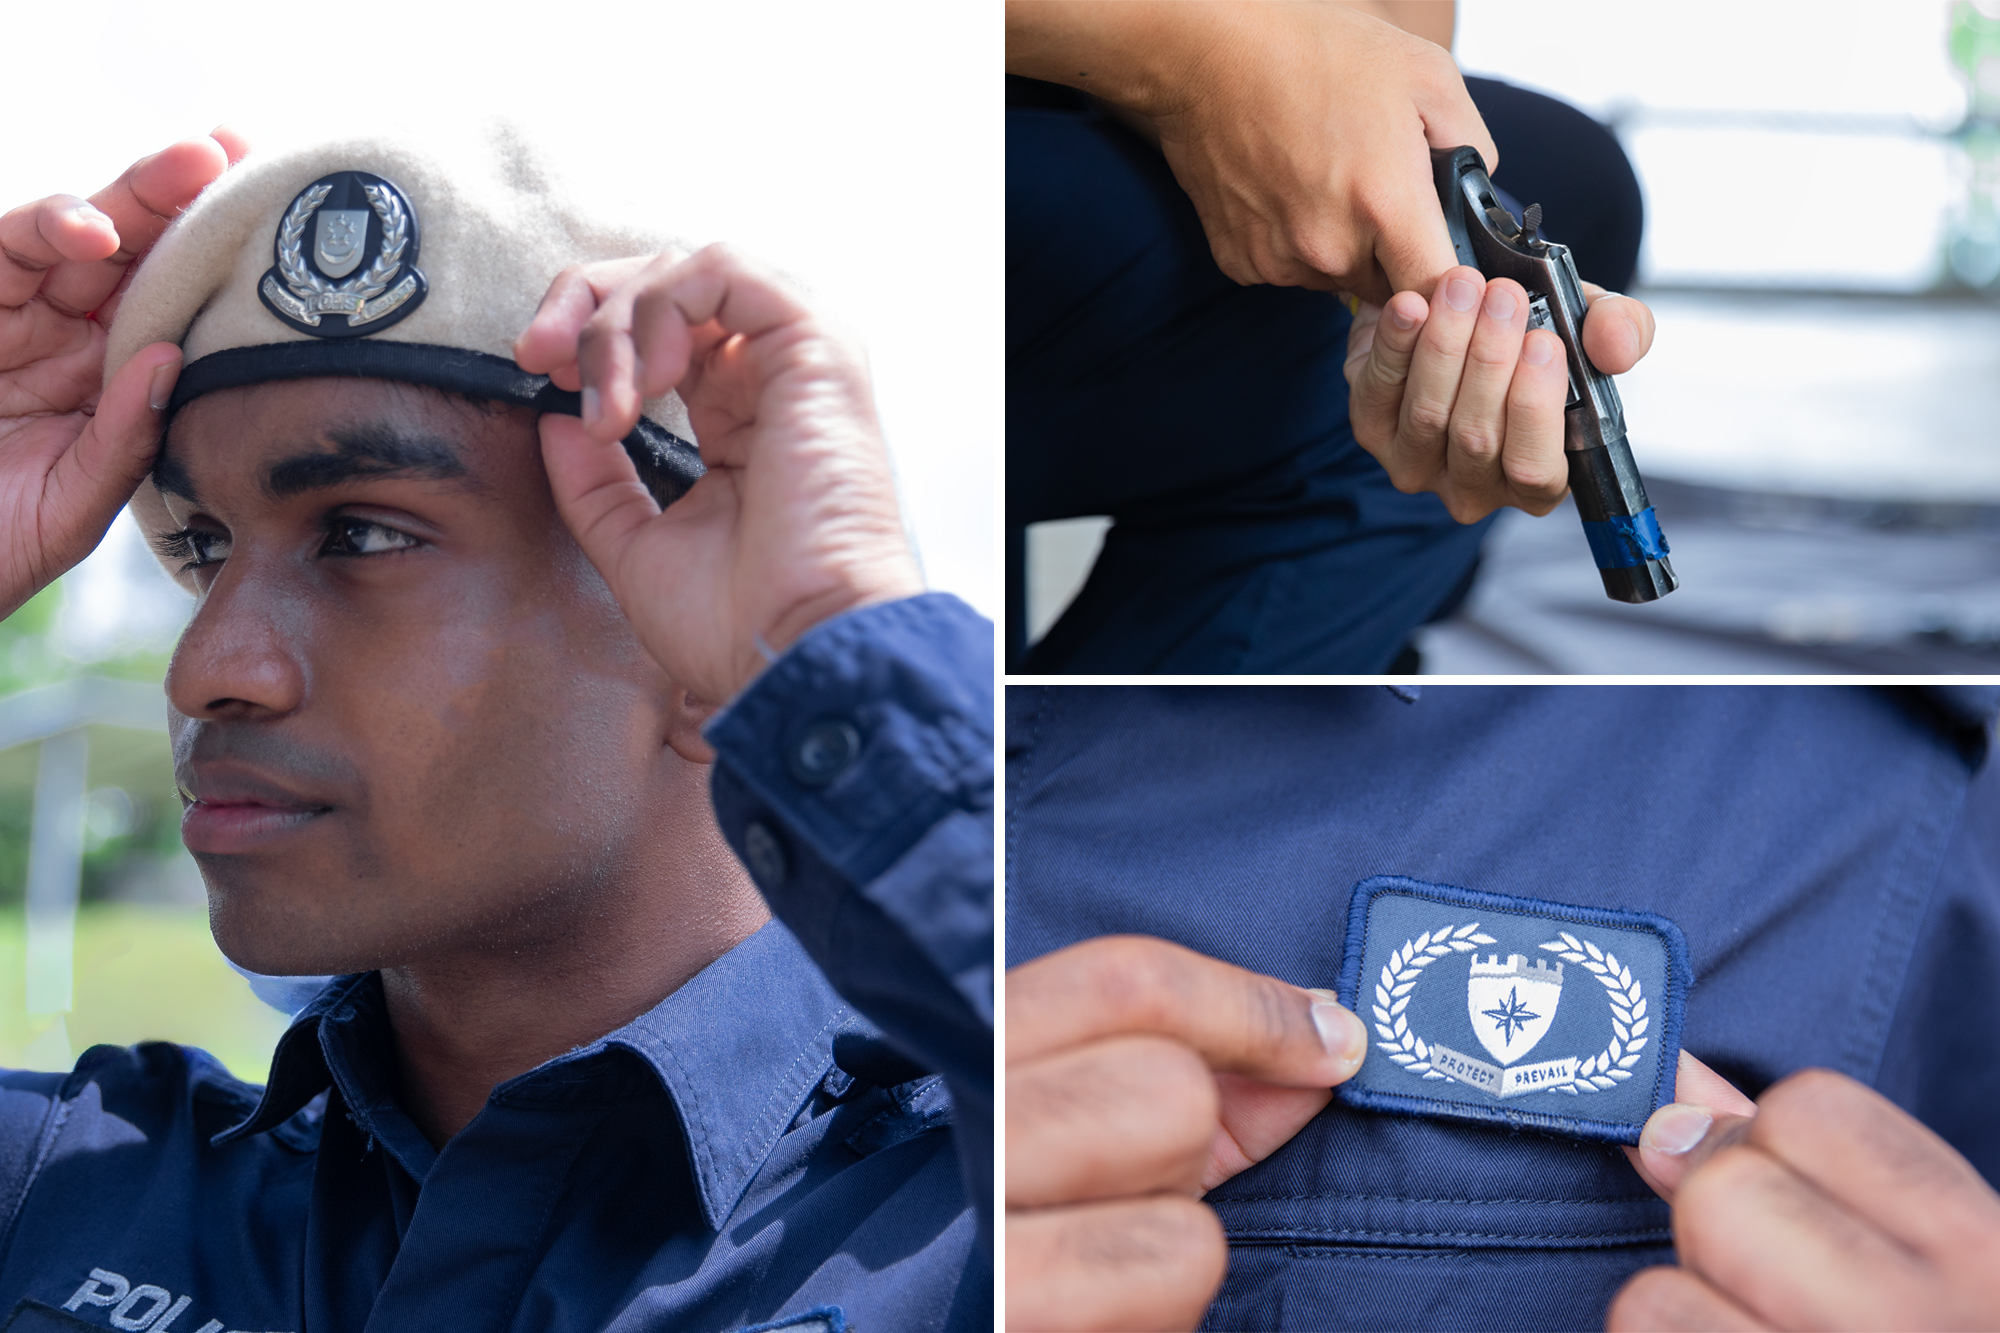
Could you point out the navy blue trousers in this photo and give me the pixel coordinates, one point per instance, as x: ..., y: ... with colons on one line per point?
x: 1250, y: 532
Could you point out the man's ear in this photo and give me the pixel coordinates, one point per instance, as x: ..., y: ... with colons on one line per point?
x: 685, y: 717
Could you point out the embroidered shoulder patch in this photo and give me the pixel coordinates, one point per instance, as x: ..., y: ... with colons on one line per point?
x: 1508, y: 1010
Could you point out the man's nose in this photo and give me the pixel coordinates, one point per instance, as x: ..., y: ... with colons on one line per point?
x: 242, y: 655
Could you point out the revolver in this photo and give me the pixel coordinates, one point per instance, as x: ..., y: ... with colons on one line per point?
x: 1618, y: 521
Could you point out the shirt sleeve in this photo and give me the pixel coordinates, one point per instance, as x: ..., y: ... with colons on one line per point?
x: 854, y: 778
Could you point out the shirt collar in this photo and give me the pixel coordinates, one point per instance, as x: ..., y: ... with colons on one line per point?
x: 738, y: 1048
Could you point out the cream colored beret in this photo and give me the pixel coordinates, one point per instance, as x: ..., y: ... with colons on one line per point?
x: 374, y: 258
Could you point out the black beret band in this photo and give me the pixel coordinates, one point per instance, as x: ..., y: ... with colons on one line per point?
x: 667, y: 464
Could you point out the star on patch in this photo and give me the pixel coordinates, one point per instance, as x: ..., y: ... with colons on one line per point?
x: 1511, y: 1015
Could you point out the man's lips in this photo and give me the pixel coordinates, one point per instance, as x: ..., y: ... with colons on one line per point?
x: 232, y: 810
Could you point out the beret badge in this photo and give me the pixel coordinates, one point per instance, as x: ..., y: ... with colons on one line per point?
x: 346, y: 254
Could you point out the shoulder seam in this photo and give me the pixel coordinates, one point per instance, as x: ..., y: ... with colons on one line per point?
x: 59, y: 1107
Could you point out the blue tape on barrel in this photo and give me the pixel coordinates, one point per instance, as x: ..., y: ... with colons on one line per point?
x: 1620, y: 543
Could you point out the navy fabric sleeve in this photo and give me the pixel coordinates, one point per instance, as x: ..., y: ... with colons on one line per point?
x: 854, y: 778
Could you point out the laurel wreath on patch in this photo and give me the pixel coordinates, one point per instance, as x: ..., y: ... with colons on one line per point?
x: 371, y: 281
x: 1612, y: 1065
x: 1399, y: 978
x: 1605, y: 1070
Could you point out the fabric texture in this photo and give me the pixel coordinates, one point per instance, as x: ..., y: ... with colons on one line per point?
x: 1831, y: 854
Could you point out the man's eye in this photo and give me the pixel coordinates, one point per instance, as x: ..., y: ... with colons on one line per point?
x: 195, y: 547
x: 359, y: 536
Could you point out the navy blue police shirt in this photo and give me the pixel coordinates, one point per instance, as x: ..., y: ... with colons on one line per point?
x: 1830, y: 857
x: 794, y: 1139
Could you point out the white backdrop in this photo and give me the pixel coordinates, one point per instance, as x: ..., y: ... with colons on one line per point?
x: 856, y: 146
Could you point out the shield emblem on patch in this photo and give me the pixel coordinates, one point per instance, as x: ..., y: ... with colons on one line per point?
x: 340, y: 237
x: 1512, y: 1004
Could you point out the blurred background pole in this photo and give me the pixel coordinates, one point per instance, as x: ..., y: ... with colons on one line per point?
x: 55, y: 872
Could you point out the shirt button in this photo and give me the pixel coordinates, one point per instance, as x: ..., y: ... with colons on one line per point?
x: 824, y: 752
x: 765, y: 854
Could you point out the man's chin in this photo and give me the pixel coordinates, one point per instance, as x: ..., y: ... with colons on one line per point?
x: 275, y: 934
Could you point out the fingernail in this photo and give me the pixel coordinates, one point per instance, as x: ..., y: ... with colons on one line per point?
x: 1460, y: 294
x: 162, y: 387
x: 1675, y: 1128
x: 1339, y: 1031
x: 1500, y: 303
x: 592, y: 408
x: 1539, y: 351
x: 1400, y: 320
x: 88, y: 213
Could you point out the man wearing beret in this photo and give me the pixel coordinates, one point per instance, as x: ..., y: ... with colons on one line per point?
x: 494, y: 685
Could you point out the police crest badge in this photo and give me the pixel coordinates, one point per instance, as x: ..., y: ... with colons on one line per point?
x: 346, y: 252
x: 1577, y: 1010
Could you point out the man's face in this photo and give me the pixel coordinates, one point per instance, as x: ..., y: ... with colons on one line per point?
x: 409, y: 715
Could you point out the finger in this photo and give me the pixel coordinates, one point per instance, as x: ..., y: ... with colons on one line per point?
x: 1450, y: 117
x: 1124, y: 1116
x: 1152, y: 1263
x: 1479, y: 416
x: 1788, y: 1252
x: 1235, y: 1019
x: 597, y: 490
x: 607, y: 365
x: 1673, y: 1299
x: 1254, y: 1120
x: 1702, y: 1099
x: 94, y: 478
x: 1413, y: 246
x: 1437, y: 366
x: 716, y: 285
x: 549, y: 341
x: 1617, y: 330
x: 1860, y: 1148
x: 235, y: 145
x: 36, y: 237
x: 1533, y: 462
x: 1378, y: 370
x: 1698, y: 1085
x: 140, y: 203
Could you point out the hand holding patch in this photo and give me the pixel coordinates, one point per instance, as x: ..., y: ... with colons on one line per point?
x: 1822, y: 1205
x: 1139, y: 1075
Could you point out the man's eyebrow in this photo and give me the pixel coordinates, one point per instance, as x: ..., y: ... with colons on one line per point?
x: 372, y: 449
x: 172, y: 478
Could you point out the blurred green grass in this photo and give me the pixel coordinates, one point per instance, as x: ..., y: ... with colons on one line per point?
x: 143, y: 973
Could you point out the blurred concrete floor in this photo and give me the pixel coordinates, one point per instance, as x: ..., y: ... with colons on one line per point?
x: 1826, y: 469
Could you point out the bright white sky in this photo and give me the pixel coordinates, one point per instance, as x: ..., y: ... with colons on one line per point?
x: 857, y: 146
x: 1748, y: 207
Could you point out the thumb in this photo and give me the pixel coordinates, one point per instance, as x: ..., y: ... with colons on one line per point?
x: 1707, y: 1114
x: 597, y: 490
x: 97, y: 474
x: 1378, y: 364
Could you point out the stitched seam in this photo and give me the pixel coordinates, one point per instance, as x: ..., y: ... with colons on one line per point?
x: 555, y: 1197
x: 1900, y: 917
x: 745, y: 1155
x: 1030, y: 754
x: 1446, y: 1235
x: 1407, y: 1198
x: 44, y: 1148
